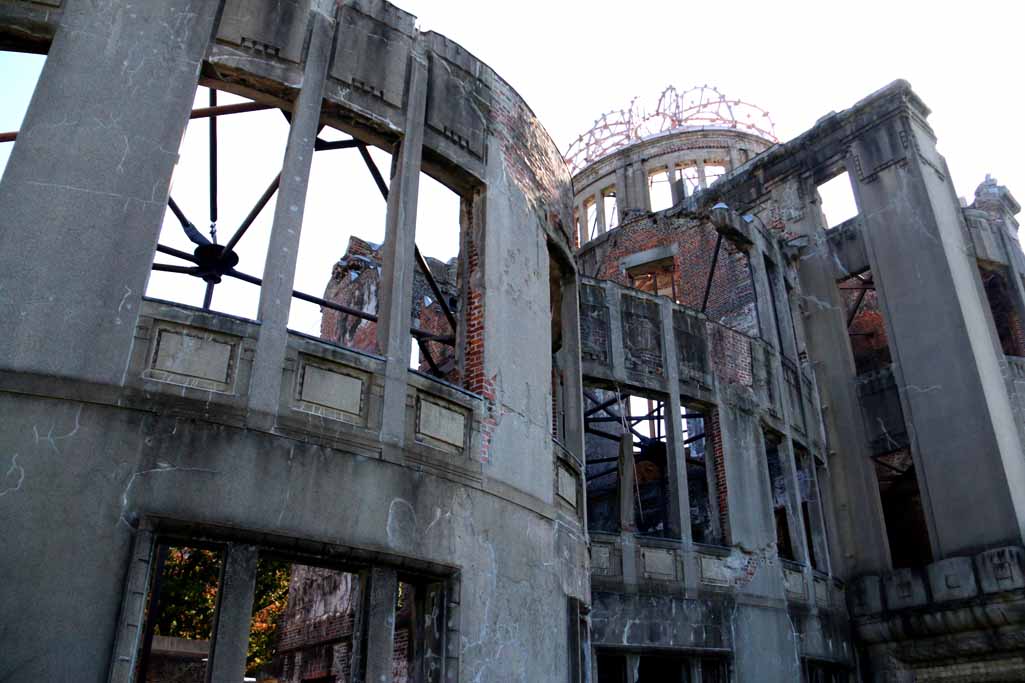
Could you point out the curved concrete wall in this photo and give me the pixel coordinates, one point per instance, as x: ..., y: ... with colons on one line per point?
x: 123, y: 414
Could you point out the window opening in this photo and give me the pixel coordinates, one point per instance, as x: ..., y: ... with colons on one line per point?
x: 778, y: 486
x: 690, y: 179
x: 866, y: 326
x: 713, y: 172
x: 221, y: 206
x: 646, y: 419
x: 656, y: 277
x: 701, y: 476
x: 603, y: 429
x: 660, y: 192
x: 811, y: 511
x: 180, y: 613
x: 1006, y: 317
x: 303, y: 622
x: 906, y: 529
x: 837, y: 200
x: 591, y: 216
x: 611, y: 206
x: 21, y: 73
x: 436, y: 280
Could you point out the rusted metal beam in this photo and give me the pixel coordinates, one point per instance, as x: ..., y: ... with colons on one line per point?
x: 226, y: 109
x: 711, y: 272
x: 857, y: 306
x: 260, y: 203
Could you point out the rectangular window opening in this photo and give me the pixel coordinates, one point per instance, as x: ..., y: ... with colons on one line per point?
x: 1006, y: 317
x: 778, y: 486
x: 906, y: 528
x: 224, y: 192
x: 611, y: 207
x: 603, y: 430
x: 21, y: 73
x: 180, y: 613
x: 837, y: 200
x: 713, y: 172
x: 866, y: 326
x: 660, y: 192
x: 652, y: 481
x: 340, y: 247
x: 655, y: 277
x: 702, y: 484
x: 690, y: 178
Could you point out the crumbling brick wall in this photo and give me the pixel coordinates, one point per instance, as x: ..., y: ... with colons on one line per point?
x: 355, y: 281
x: 731, y: 298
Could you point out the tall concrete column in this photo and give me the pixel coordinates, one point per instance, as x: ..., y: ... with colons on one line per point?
x: 395, y: 313
x: 86, y: 186
x: 675, y: 186
x: 624, y: 197
x: 599, y: 207
x: 860, y: 539
x: 679, y: 495
x: 380, y: 627
x: 947, y: 359
x: 702, y: 182
x: 234, y: 615
x: 283, y: 248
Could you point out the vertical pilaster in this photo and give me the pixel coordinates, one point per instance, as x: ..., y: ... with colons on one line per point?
x: 234, y: 615
x: 283, y: 247
x: 599, y: 206
x: 85, y: 188
x: 624, y: 197
x: 679, y: 501
x: 380, y: 628
x: 396, y: 290
x: 954, y: 395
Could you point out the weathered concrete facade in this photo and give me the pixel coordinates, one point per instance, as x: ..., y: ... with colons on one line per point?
x: 132, y: 424
x: 723, y: 441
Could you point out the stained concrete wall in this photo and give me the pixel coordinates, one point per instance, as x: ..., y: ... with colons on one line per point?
x: 104, y: 433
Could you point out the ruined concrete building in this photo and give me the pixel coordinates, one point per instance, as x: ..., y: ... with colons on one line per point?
x: 664, y: 421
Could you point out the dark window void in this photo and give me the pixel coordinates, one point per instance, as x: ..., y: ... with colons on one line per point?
x: 906, y: 528
x: 181, y: 611
x: 656, y: 277
x: 1008, y: 322
x: 701, y: 477
x: 602, y: 448
x: 865, y: 323
x: 811, y: 510
x: 615, y: 668
x: 778, y: 485
x: 824, y: 672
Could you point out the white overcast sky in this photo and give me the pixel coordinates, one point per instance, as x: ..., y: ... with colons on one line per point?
x: 572, y: 61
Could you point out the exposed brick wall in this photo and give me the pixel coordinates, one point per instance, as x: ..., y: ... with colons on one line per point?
x: 731, y: 298
x: 712, y: 425
x: 868, y: 329
x: 1005, y: 315
x: 731, y: 355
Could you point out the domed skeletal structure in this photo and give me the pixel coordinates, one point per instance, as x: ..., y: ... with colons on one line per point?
x: 699, y: 107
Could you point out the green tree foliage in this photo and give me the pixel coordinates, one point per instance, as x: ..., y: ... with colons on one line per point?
x: 188, y: 599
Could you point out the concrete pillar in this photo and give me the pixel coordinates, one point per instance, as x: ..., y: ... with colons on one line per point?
x: 624, y: 197
x: 734, y: 157
x: 599, y: 206
x: 283, y: 247
x: 701, y: 174
x: 679, y: 501
x: 633, y: 664
x: 675, y: 186
x: 860, y: 538
x: 85, y: 189
x: 234, y: 615
x: 569, y: 358
x: 380, y: 627
x: 947, y: 359
x: 627, y: 482
x: 396, y: 291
